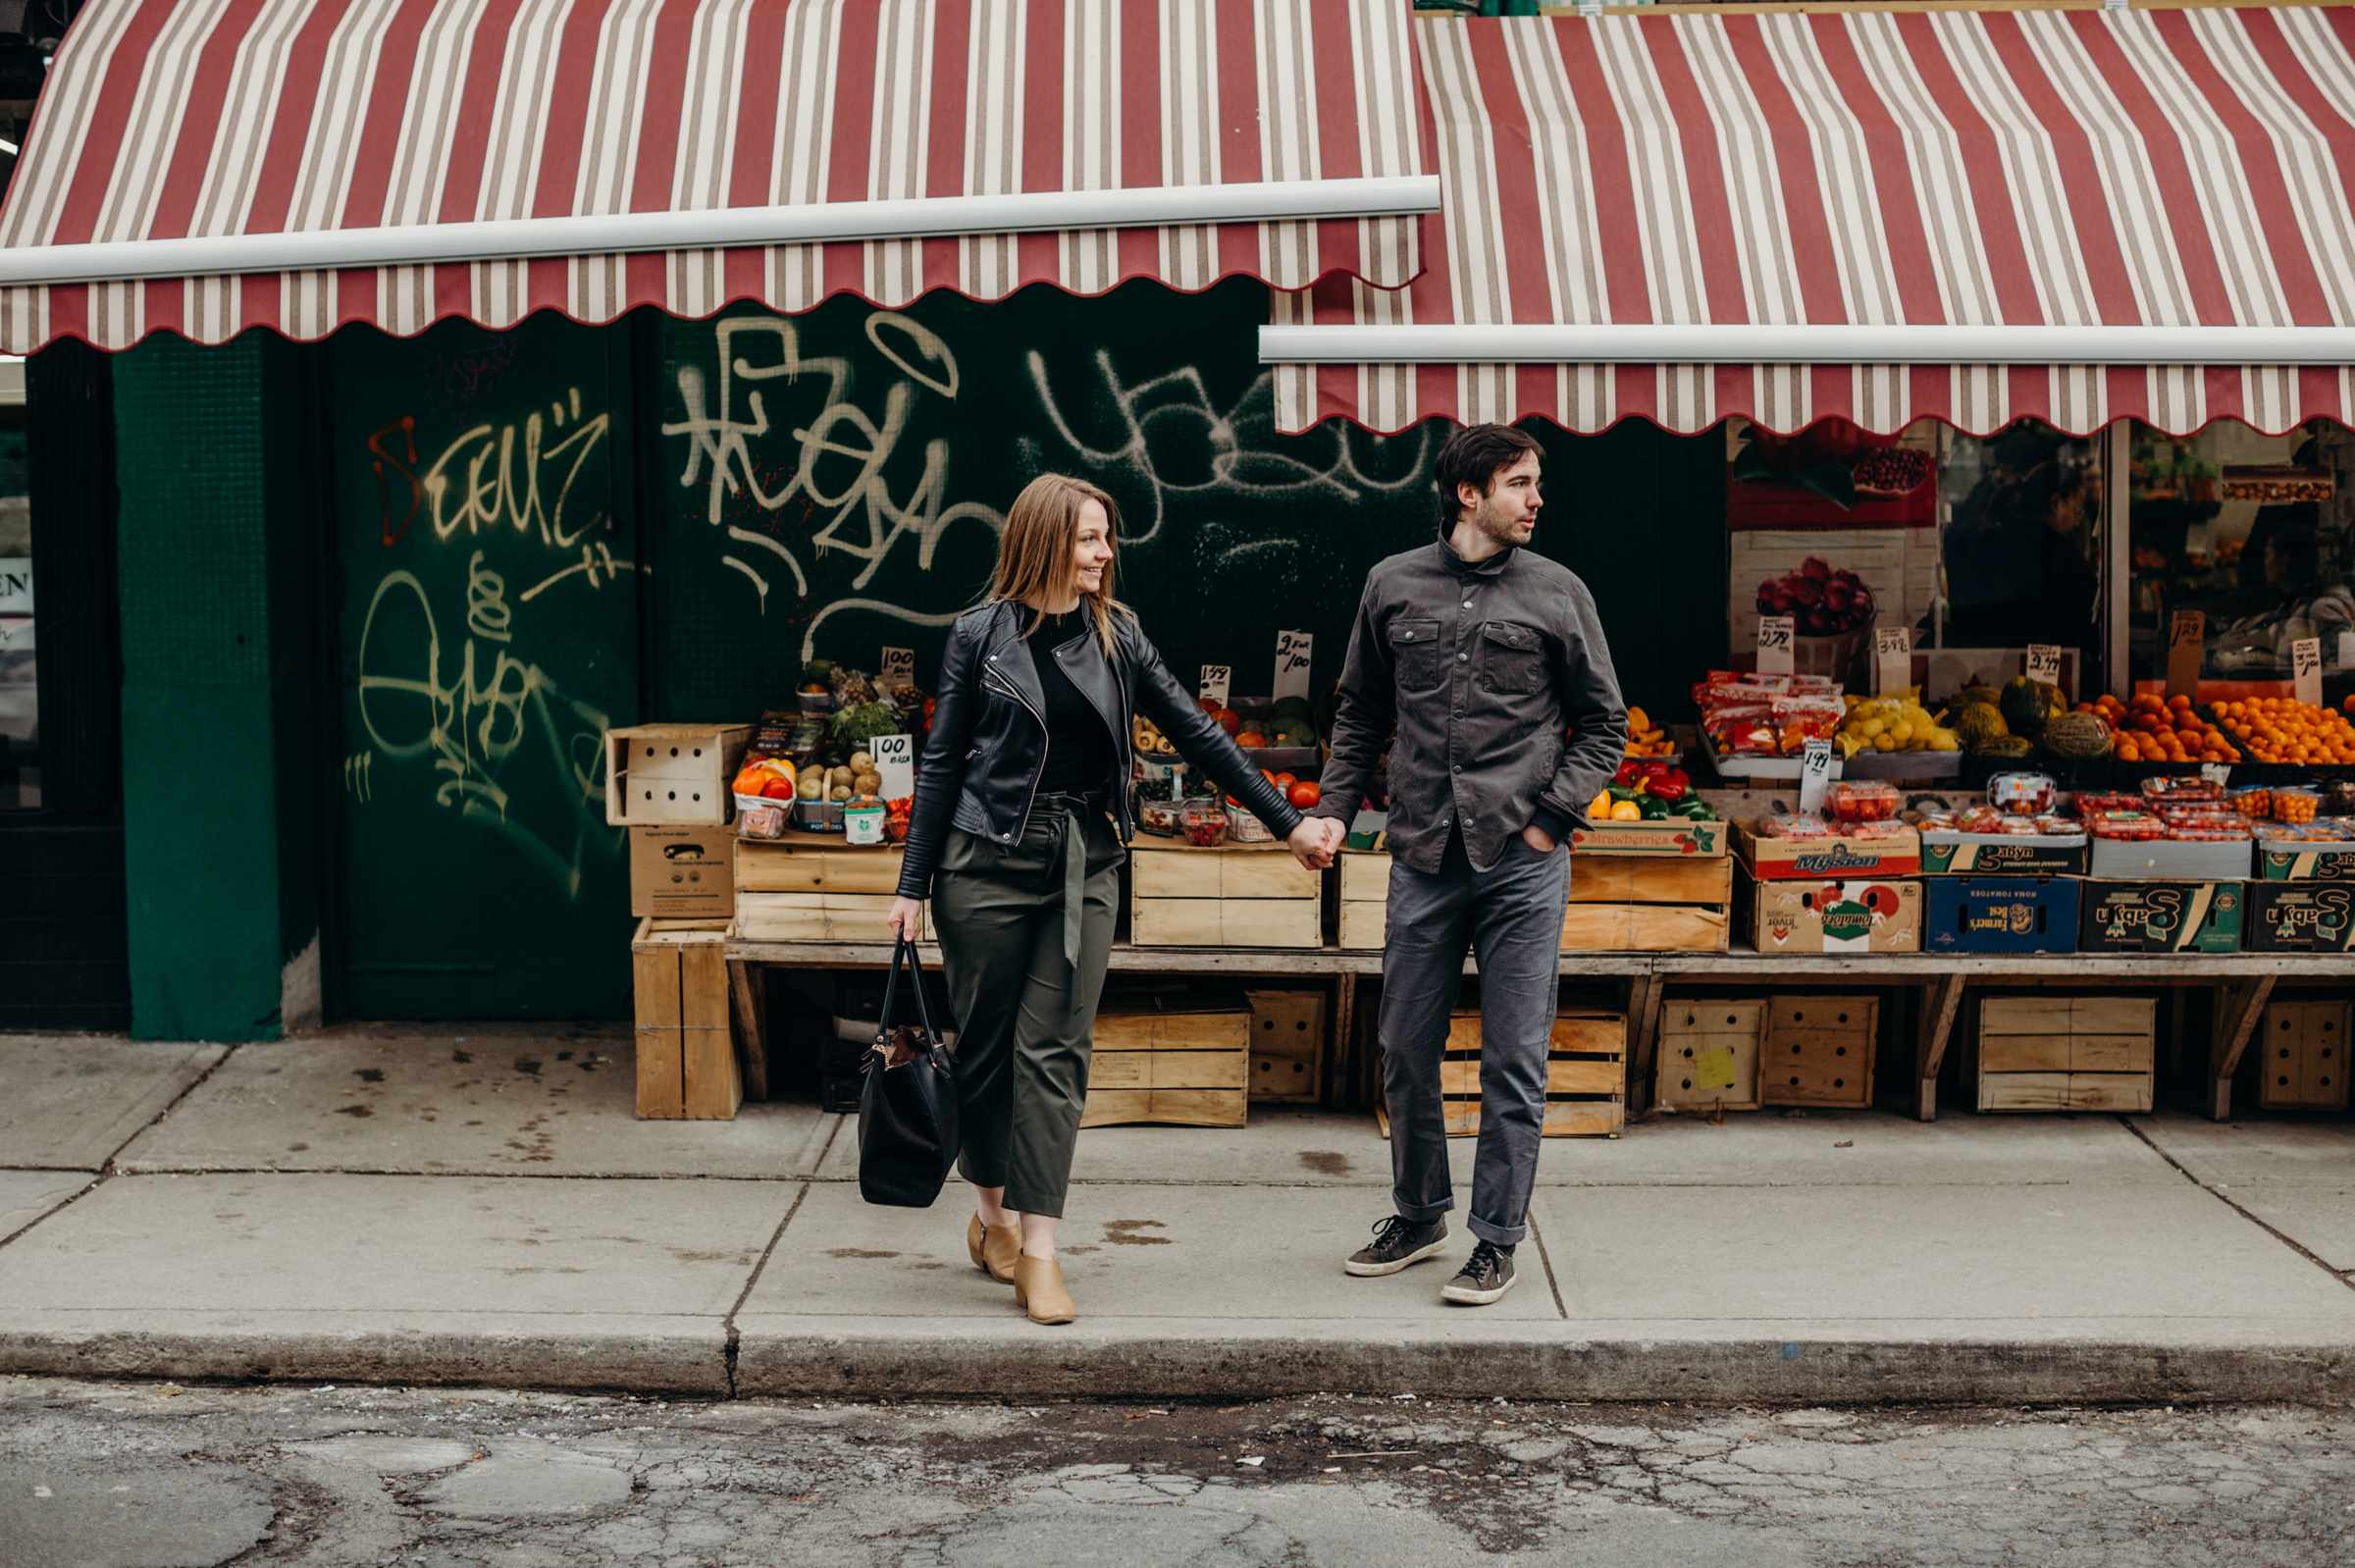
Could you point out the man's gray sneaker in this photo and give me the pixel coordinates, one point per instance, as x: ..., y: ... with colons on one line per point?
x: 1397, y: 1242
x: 1485, y: 1275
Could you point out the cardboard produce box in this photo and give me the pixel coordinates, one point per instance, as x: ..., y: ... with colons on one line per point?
x: 2306, y: 860
x: 2162, y: 859
x: 2300, y: 917
x: 1670, y: 836
x: 682, y: 873
x: 2001, y: 914
x: 2160, y: 916
x: 1870, y: 917
x: 1840, y: 857
x: 1949, y: 854
x: 672, y: 772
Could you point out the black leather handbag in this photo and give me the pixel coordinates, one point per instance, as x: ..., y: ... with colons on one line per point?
x: 907, y: 1114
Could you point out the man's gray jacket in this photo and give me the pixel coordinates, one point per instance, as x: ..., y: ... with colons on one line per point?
x: 1483, y: 667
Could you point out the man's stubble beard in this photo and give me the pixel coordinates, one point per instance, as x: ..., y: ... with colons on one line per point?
x: 1489, y: 520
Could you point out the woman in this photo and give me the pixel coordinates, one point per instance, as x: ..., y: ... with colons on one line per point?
x: 1012, y: 835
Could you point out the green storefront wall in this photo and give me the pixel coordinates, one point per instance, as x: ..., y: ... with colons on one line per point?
x: 381, y: 596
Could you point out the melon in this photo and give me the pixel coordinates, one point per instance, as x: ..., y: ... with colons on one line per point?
x: 2006, y: 746
x: 2078, y: 737
x: 2029, y: 706
x: 1977, y: 724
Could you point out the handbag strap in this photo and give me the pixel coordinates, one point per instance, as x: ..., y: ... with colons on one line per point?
x: 905, y: 951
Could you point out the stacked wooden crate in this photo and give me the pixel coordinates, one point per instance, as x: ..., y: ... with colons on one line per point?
x: 1818, y: 1050
x: 1365, y: 878
x: 1648, y: 902
x: 1288, y: 1046
x: 1640, y: 902
x: 1168, y: 1059
x: 2303, y: 1065
x: 787, y: 891
x: 2064, y: 1053
x: 687, y: 1066
x: 1232, y: 895
x: 1585, y: 1076
x: 1708, y: 1055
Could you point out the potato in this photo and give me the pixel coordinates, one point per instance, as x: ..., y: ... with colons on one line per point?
x: 839, y: 775
x: 862, y: 762
x: 811, y: 789
x: 840, y: 792
x: 868, y: 783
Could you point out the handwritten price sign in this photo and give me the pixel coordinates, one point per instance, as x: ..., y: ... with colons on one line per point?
x: 897, y: 667
x: 1218, y: 680
x: 2044, y: 663
x: 1778, y: 635
x: 1293, y: 649
x: 2306, y: 669
x: 895, y: 760
x: 1815, y: 775
x: 1892, y: 656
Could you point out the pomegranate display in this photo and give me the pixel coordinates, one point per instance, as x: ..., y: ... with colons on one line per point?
x: 1823, y: 602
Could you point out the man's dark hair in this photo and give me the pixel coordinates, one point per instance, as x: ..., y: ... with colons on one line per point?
x: 2302, y: 554
x: 1475, y: 455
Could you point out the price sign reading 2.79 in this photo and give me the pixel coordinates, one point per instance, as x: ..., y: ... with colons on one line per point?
x: 1777, y: 640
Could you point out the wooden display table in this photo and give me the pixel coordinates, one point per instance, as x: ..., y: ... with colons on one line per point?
x: 2243, y: 981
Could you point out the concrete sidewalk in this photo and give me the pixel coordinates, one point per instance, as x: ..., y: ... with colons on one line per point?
x: 476, y: 1205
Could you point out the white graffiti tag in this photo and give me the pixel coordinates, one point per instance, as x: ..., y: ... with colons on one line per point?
x: 478, y: 730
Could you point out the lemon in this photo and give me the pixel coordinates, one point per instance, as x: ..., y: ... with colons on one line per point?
x: 1884, y: 743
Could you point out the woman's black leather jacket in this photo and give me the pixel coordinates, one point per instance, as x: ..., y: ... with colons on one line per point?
x: 989, y: 735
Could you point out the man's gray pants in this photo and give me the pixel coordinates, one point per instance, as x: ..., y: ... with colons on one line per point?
x: 1510, y: 917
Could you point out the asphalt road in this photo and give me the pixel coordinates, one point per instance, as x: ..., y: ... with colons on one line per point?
x: 111, y: 1475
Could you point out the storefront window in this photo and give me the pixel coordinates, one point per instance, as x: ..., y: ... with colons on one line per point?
x: 1977, y: 547
x: 20, y: 719
x: 2255, y: 532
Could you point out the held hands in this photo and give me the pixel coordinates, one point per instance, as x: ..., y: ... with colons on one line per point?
x: 1537, y: 838
x: 1314, y: 842
x: 907, y: 917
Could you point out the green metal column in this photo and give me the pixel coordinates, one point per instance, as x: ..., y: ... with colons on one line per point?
x: 222, y: 830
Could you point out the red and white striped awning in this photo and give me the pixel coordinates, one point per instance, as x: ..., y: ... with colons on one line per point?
x: 205, y: 166
x: 1977, y: 216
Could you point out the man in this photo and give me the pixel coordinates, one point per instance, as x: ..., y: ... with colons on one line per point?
x: 1482, y: 654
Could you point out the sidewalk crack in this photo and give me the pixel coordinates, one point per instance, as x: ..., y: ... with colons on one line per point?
x: 1537, y: 1233
x: 734, y: 1341
x: 107, y: 1172
x: 2345, y: 1276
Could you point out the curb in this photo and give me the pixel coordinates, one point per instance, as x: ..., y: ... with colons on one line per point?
x: 1019, y: 1362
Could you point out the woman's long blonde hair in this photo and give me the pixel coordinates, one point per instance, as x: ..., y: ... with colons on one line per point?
x: 1035, y: 552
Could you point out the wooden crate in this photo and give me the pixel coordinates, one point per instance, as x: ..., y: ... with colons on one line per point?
x: 1650, y: 879
x: 813, y: 865
x: 1702, y: 1045
x: 1365, y: 878
x: 2302, y: 1054
x: 1176, y: 1068
x: 1288, y: 1046
x: 1645, y: 927
x: 1230, y: 896
x: 817, y: 917
x: 2064, y: 1053
x: 687, y: 1066
x: 1818, y: 1050
x: 672, y: 772
x: 1585, y: 1076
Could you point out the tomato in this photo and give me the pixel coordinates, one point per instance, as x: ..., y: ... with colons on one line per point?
x: 1285, y: 781
x: 1210, y: 706
x: 1305, y: 794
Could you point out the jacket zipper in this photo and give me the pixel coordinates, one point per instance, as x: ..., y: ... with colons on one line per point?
x: 1045, y: 741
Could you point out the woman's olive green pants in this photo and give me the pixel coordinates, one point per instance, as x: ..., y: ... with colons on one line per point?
x: 1025, y: 936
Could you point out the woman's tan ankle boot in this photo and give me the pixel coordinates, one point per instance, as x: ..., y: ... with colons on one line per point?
x: 1038, y: 1286
x: 994, y: 1247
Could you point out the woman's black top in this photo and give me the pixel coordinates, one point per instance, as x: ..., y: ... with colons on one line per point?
x: 1078, y: 740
